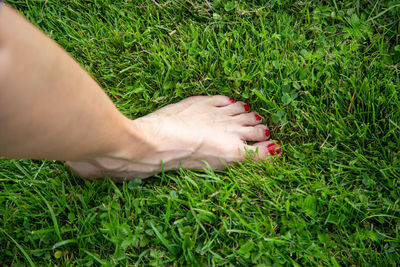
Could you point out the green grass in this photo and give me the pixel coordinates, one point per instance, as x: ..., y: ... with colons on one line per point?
x: 324, y: 74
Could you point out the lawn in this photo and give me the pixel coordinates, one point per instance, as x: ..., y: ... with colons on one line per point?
x: 323, y: 74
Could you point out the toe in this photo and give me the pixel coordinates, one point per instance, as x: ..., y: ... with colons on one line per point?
x: 265, y: 149
x: 195, y: 99
x: 220, y: 100
x: 247, y: 119
x: 254, y: 133
x: 236, y: 108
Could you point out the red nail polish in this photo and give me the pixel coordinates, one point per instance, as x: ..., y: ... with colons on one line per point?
x: 258, y: 117
x: 246, y: 107
x: 273, y: 149
x: 267, y: 132
x: 231, y: 100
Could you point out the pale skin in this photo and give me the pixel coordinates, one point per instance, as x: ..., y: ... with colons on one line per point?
x: 50, y: 108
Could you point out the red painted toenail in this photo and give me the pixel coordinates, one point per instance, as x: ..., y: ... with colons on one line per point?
x: 231, y: 100
x: 246, y: 107
x: 267, y: 132
x: 274, y: 149
x: 258, y: 117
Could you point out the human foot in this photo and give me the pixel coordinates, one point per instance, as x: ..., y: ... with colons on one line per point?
x: 185, y: 135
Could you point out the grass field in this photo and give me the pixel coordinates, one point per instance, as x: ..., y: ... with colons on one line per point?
x: 323, y: 74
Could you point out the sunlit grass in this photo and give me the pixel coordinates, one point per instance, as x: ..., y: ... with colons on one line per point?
x: 324, y: 76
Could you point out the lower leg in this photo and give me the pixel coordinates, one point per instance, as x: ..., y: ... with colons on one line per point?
x: 50, y: 108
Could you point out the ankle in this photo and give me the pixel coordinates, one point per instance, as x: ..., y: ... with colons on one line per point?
x: 131, y: 147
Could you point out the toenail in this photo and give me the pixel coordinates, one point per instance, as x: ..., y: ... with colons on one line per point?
x: 274, y: 149
x: 258, y: 117
x: 231, y: 100
x: 246, y: 107
x: 267, y: 132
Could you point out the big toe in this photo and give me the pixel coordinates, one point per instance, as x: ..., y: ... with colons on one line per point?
x: 265, y: 149
x: 216, y: 100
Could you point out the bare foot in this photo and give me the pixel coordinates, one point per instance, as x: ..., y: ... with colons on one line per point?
x: 184, y: 135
